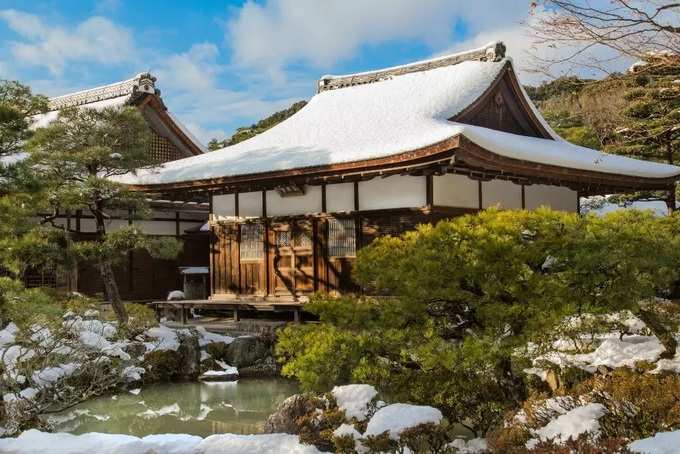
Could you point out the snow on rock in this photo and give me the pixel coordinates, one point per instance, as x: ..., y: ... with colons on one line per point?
x: 660, y: 443
x: 248, y: 444
x: 98, y: 342
x: 583, y: 419
x: 50, y: 375
x: 473, y: 446
x: 8, y: 334
x: 33, y: 441
x: 612, y: 352
x: 132, y: 373
x: 396, y: 418
x: 206, y: 337
x: 165, y: 338
x: 354, y: 399
x: 78, y: 325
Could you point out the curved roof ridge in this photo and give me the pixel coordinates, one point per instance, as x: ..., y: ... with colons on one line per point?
x: 142, y: 82
x: 493, y: 52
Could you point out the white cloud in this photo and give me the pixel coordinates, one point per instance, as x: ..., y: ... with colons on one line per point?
x: 95, y: 39
x: 522, y: 46
x: 192, y: 86
x: 271, y: 35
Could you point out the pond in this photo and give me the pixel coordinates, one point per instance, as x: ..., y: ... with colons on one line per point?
x: 194, y: 408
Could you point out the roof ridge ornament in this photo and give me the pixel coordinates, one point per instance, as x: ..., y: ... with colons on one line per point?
x: 141, y: 83
x: 492, y: 52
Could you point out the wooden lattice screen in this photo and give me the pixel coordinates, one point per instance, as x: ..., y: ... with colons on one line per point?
x: 162, y: 150
x: 251, y: 246
x: 341, y: 238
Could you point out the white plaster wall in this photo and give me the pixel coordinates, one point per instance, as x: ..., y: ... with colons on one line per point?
x: 505, y: 194
x: 86, y: 225
x: 555, y: 197
x: 114, y: 224
x: 224, y: 205
x: 392, y: 192
x: 156, y: 227
x: 310, y: 202
x: 455, y: 191
x: 339, y: 197
x: 250, y: 204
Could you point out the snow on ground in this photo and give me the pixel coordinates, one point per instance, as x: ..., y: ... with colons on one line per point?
x: 206, y: 337
x: 33, y: 441
x: 661, y: 443
x: 396, y: 418
x: 583, y: 419
x: 354, y: 399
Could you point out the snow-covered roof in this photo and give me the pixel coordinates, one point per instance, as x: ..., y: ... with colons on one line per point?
x: 384, y: 113
x: 113, y: 95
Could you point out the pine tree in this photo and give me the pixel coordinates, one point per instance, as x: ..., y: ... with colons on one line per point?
x: 77, y: 157
x: 652, y: 130
x: 17, y: 103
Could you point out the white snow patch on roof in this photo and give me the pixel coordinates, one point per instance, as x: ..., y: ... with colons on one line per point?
x: 354, y: 399
x: 396, y: 418
x: 399, y: 114
x: 43, y: 120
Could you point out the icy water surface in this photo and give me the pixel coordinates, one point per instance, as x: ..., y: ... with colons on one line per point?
x: 193, y: 408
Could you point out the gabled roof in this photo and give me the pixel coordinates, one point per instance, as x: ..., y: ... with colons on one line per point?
x: 399, y: 111
x: 133, y: 91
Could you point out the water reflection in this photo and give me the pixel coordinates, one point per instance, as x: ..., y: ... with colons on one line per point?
x: 194, y: 408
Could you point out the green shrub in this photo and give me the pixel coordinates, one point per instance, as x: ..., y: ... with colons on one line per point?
x: 28, y: 306
x: 140, y: 318
x: 469, y: 295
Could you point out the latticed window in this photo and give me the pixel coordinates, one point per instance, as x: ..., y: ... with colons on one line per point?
x: 251, y: 246
x: 283, y: 238
x: 162, y: 150
x: 342, y: 238
x: 303, y: 239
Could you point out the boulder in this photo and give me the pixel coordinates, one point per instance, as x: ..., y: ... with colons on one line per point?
x: 286, y: 417
x: 189, y: 355
x: 248, y: 350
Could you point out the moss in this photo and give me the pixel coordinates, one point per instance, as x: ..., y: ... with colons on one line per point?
x: 161, y: 365
x: 218, y: 350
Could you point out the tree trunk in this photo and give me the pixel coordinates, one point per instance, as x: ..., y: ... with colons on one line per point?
x: 105, y: 269
x: 659, y: 330
x: 112, y: 293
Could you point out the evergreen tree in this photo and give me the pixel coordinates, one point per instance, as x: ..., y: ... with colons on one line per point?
x: 77, y: 157
x: 17, y: 103
x: 652, y: 129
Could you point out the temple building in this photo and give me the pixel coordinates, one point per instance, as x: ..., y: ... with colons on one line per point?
x: 377, y: 153
x: 142, y: 277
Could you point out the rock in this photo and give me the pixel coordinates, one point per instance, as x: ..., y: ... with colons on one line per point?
x: 285, y: 418
x: 248, y: 350
x: 267, y: 367
x: 189, y: 355
x: 135, y: 349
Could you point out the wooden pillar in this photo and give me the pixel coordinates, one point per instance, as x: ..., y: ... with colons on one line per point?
x: 479, y: 193
x: 177, y: 224
x: 429, y: 190
x: 236, y: 315
x: 524, y: 198
x: 296, y: 315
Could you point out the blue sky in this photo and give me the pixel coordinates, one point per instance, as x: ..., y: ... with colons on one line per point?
x: 224, y: 64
